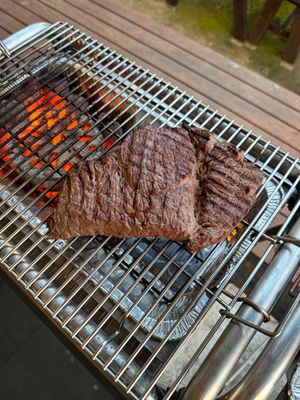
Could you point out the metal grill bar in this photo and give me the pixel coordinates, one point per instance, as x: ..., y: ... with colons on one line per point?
x: 267, y: 302
x: 15, y: 49
x: 99, y: 306
x: 47, y: 164
x: 116, y: 265
x: 148, y: 312
x: 24, y: 223
x: 66, y: 269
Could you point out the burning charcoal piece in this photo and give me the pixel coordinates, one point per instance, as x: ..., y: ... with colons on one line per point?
x: 106, y: 101
x: 45, y: 132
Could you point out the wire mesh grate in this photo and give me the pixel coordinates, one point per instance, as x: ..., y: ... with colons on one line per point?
x: 130, y: 304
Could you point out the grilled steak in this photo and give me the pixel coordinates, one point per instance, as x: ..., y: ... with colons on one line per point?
x: 178, y: 183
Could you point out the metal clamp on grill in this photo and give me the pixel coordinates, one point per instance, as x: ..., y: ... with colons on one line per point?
x: 4, y: 50
x: 21, y: 38
x: 145, y: 312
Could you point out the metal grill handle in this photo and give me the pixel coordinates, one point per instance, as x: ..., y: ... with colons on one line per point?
x: 23, y: 36
x: 260, y: 381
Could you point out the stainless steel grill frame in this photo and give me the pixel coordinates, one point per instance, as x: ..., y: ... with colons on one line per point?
x: 52, y: 274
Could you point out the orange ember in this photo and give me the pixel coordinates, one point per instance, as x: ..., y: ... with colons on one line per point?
x: 27, y: 153
x: 53, y: 158
x: 3, y: 139
x: 86, y: 127
x: 114, y: 102
x: 51, y: 122
x: 72, y: 125
x: 46, y: 111
x: 58, y: 138
x: 234, y: 233
x: 51, y: 194
x: 62, y: 114
x: 67, y: 166
x: 50, y: 114
x: 26, y: 132
x: 6, y: 158
x: 54, y: 131
x: 86, y: 138
x: 107, y: 144
x: 35, y: 162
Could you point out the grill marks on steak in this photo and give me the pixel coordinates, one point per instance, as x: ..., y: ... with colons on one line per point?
x: 156, y: 161
x: 169, y: 182
x: 229, y: 189
x: 96, y: 197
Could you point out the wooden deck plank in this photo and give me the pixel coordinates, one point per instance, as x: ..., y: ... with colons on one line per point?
x: 9, y: 23
x: 3, y: 33
x: 210, y: 56
x: 207, y: 71
x: 206, y: 88
x: 179, y: 73
x: 18, y: 12
x: 49, y: 14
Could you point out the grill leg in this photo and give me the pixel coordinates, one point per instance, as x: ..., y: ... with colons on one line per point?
x: 293, y: 44
x: 240, y: 19
x: 264, y: 19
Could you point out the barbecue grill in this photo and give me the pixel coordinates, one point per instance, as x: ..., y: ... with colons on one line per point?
x: 133, y: 306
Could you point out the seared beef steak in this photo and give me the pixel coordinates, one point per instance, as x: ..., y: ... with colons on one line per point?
x: 177, y: 183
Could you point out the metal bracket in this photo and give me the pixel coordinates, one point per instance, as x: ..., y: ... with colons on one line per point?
x: 266, y: 317
x: 4, y: 50
x: 22, y: 37
x: 288, y: 239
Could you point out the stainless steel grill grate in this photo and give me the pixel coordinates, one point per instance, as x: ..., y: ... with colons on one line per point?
x: 131, y: 305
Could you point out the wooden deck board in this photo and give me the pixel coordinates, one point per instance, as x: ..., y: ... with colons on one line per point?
x: 269, y: 110
x: 208, y: 71
x: 19, y: 12
x: 3, y: 33
x: 9, y: 23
